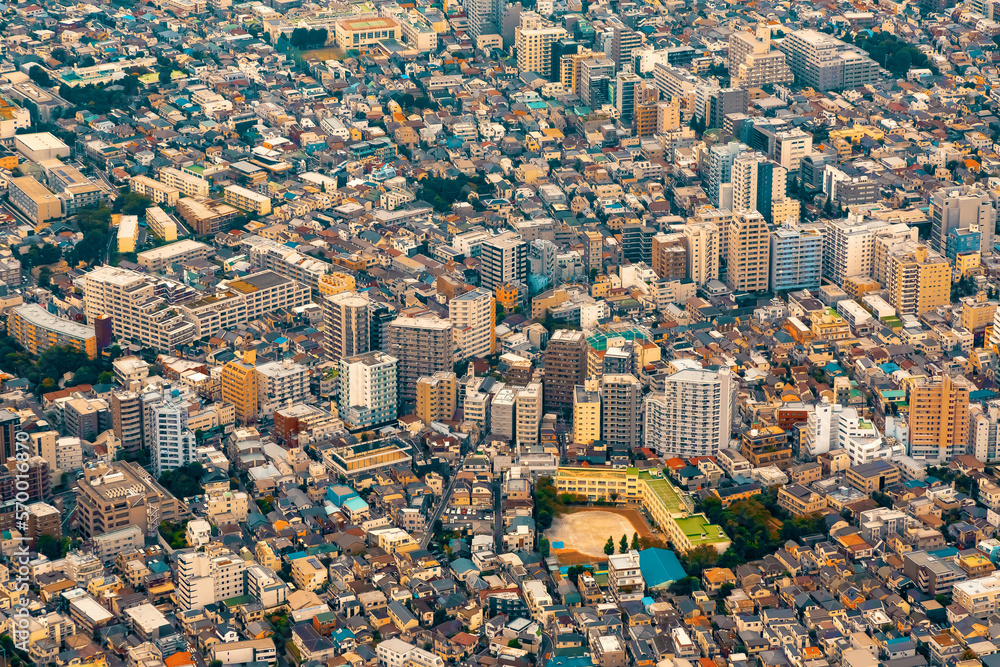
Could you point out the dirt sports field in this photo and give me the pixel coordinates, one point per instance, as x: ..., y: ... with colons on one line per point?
x: 584, y: 532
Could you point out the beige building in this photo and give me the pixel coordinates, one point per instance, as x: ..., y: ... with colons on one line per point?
x: 363, y: 34
x: 587, y: 413
x: 34, y: 199
x: 939, y: 419
x: 161, y: 223
x: 534, y: 39
x: 158, y: 259
x: 528, y: 414
x: 188, y: 184
x: 248, y: 200
x: 798, y: 500
x: 437, y: 397
x: 473, y: 320
x: 110, y: 498
x: 749, y: 255
x: 159, y: 193
x: 919, y: 279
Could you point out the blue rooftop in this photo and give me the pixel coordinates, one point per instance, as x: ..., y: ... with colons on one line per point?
x: 660, y: 567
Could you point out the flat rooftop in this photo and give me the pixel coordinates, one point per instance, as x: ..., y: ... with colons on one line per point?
x: 38, y: 316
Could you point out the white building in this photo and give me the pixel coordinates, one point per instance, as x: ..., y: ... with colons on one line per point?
x: 368, y: 389
x: 282, y: 384
x: 528, y: 414
x: 173, y: 442
x: 625, y: 578
x: 694, y: 414
x: 395, y: 652
x: 203, y: 579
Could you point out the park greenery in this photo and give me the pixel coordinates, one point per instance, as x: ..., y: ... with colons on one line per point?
x: 890, y: 52
x: 757, y: 527
x: 54, y: 364
x: 184, y: 481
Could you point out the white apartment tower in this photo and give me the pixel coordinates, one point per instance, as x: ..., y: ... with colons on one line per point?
x: 368, y: 389
x: 173, y: 442
x: 528, y: 414
x: 694, y: 414
x: 203, y: 579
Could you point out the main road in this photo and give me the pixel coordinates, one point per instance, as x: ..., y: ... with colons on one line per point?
x: 429, y: 533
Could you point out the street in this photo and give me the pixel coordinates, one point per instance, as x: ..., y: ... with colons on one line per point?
x: 426, y: 539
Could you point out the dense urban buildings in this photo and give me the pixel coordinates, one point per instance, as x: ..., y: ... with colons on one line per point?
x: 498, y: 334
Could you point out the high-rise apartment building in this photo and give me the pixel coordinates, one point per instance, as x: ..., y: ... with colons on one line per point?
x: 595, y: 75
x: 918, y: 279
x: 473, y: 319
x: 482, y: 17
x: 239, y: 387
x: 670, y: 256
x: 791, y: 147
x: 626, y: 84
x: 621, y: 412
x: 122, y: 495
x: 9, y: 422
x: 694, y: 414
x: 282, y: 384
x: 437, y: 397
x: 823, y: 62
x: 939, y: 419
x: 203, y: 579
x: 849, y: 248
x: 753, y: 63
x: 528, y: 414
x: 368, y: 390
x: 173, y: 442
x: 720, y: 168
x: 760, y: 184
x: 534, y: 39
x: 703, y: 240
x: 587, y: 412
x: 624, y: 41
x: 503, y: 258
x: 637, y: 243
x: 346, y: 323
x: 965, y: 208
x: 565, y: 367
x: 749, y: 256
x: 797, y: 256
x: 720, y: 102
x: 423, y: 346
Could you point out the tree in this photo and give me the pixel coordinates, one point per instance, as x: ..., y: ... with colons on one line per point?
x: 40, y: 76
x: 623, y: 544
x: 513, y: 643
x: 215, y: 663
x: 49, y: 547
x: 635, y: 541
x: 609, y: 546
x: 163, y: 75
x: 132, y: 203
x: 543, y: 547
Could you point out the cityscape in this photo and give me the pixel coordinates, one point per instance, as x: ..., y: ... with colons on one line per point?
x: 478, y: 333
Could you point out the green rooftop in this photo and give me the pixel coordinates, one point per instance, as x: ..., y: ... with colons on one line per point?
x: 664, y: 491
x: 697, y: 526
x: 599, y: 341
